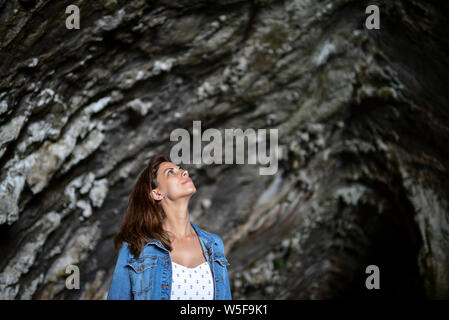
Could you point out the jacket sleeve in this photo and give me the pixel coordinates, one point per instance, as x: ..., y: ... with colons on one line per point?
x: 228, y: 287
x: 228, y: 295
x: 120, y: 288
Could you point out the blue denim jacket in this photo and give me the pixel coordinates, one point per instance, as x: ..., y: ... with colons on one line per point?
x: 149, y: 277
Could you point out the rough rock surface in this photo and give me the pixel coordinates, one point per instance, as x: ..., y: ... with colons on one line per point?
x: 362, y: 115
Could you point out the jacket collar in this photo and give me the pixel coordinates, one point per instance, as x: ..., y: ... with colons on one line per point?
x: 204, y: 236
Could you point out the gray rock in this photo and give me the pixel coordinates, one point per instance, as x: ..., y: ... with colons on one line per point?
x: 361, y: 116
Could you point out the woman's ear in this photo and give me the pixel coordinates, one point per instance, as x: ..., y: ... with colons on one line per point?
x: 156, y: 194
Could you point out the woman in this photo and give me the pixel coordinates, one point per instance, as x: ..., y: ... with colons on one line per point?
x: 163, y: 255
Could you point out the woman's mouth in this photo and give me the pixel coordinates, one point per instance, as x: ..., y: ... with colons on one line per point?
x: 186, y: 181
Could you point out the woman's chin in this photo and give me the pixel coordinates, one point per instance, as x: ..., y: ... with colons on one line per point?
x: 190, y: 190
x: 193, y: 189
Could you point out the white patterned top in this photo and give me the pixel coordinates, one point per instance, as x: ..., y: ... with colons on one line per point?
x: 192, y: 283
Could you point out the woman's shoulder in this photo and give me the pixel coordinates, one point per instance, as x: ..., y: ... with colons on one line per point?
x: 123, y: 253
x: 124, y: 249
x: 124, y: 246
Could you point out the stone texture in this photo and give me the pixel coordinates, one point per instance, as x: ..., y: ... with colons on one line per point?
x: 362, y: 118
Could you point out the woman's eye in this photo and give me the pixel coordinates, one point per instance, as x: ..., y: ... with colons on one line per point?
x: 171, y: 170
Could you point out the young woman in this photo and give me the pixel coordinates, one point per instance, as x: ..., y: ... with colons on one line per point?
x: 163, y: 255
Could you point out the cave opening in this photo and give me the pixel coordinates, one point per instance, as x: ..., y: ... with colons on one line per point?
x: 393, y: 245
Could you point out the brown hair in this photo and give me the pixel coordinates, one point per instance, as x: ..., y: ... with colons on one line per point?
x: 144, y: 215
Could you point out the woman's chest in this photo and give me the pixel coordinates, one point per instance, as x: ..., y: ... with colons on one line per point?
x: 187, y: 253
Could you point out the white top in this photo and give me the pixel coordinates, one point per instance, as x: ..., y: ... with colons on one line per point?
x: 192, y: 283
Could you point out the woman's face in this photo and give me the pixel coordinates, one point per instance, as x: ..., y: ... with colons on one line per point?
x: 173, y: 181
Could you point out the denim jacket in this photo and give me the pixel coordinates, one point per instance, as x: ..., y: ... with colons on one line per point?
x: 149, y: 277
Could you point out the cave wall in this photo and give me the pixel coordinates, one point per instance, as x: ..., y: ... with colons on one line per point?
x: 362, y: 118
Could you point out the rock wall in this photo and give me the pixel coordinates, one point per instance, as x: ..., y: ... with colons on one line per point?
x: 362, y: 118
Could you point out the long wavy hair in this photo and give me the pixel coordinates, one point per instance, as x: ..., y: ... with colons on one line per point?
x: 144, y: 215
